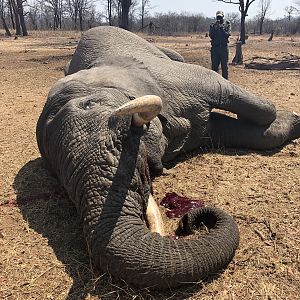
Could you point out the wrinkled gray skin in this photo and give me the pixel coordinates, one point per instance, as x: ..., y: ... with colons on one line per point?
x: 105, y: 163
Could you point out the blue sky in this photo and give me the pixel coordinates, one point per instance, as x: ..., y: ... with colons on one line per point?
x: 209, y: 7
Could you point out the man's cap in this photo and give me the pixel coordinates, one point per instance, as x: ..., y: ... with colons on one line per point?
x: 219, y: 13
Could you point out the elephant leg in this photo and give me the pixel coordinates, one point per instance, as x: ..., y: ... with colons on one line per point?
x: 154, y: 218
x: 230, y: 132
x: 246, y: 105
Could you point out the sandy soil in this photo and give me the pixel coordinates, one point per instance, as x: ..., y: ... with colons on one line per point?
x: 43, y: 253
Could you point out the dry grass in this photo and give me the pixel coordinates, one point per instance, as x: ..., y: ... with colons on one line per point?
x: 43, y: 253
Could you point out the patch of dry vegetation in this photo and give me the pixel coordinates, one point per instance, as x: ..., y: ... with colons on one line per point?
x: 43, y: 252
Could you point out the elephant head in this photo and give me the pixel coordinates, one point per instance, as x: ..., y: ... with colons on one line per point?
x: 96, y: 149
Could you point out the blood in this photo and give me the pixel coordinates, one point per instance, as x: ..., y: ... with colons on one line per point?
x: 174, y: 236
x: 178, y: 206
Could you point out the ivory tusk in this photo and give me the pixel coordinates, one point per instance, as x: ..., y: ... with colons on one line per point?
x: 154, y: 218
x: 144, y: 109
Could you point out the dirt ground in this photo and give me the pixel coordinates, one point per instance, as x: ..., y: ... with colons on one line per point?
x: 43, y: 253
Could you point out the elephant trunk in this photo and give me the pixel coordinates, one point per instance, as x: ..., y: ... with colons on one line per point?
x: 144, y: 259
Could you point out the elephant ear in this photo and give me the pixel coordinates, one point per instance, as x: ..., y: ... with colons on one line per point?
x: 172, y: 54
x: 143, y: 109
x: 179, y: 129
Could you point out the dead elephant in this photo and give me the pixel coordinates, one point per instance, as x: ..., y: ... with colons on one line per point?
x: 125, y: 109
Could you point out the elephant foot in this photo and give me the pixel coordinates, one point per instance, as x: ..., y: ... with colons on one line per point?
x: 296, y: 126
x: 154, y: 218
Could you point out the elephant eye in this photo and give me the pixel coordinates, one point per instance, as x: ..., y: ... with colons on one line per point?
x: 89, y: 104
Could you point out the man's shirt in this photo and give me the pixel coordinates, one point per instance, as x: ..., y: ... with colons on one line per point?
x: 219, y: 33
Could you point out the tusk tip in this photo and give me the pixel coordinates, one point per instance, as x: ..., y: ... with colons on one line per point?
x: 116, y: 112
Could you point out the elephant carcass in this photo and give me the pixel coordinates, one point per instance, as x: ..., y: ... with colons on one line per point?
x: 103, y: 139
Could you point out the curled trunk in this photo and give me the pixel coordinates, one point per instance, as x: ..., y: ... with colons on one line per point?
x: 149, y: 260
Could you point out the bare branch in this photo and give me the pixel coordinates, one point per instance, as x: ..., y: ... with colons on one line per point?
x: 229, y: 1
x: 243, y: 8
x: 249, y: 3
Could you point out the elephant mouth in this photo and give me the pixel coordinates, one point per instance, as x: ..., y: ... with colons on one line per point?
x: 177, y: 206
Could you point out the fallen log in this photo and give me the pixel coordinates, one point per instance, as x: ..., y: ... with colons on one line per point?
x: 288, y: 62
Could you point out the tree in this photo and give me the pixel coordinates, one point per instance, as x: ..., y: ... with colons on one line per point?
x: 11, y: 14
x: 46, y: 14
x: 33, y: 14
x: 72, y: 9
x: 290, y: 10
x: 109, y: 11
x: 297, y: 3
x: 113, y: 12
x: 17, y: 16
x: 234, y: 20
x: 83, y: 6
x: 2, y: 16
x: 125, y: 13
x: 264, y: 8
x: 243, y: 7
x: 238, y: 58
x: 133, y: 12
x: 56, y: 6
x: 144, y: 6
x: 21, y: 16
x: 77, y: 10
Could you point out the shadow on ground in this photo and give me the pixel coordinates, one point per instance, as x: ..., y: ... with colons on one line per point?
x: 222, y: 151
x: 48, y: 211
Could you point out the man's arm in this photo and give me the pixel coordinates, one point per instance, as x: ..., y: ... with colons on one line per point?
x: 226, y: 29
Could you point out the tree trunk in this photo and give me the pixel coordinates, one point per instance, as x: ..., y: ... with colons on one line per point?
x: 109, y: 8
x: 55, y: 22
x: 119, y: 10
x: 7, y: 32
x: 33, y: 21
x: 17, y: 18
x: 238, y: 58
x: 80, y: 20
x: 143, y: 14
x: 11, y: 15
x: 59, y: 14
x: 243, y: 29
x: 261, y: 26
x: 125, y: 14
x: 271, y: 36
x: 21, y: 16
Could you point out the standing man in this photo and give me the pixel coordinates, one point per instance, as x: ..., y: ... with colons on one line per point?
x: 219, y: 33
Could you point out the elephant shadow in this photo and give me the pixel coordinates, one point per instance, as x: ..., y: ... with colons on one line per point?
x: 45, y: 206
x: 222, y: 151
x: 48, y: 211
